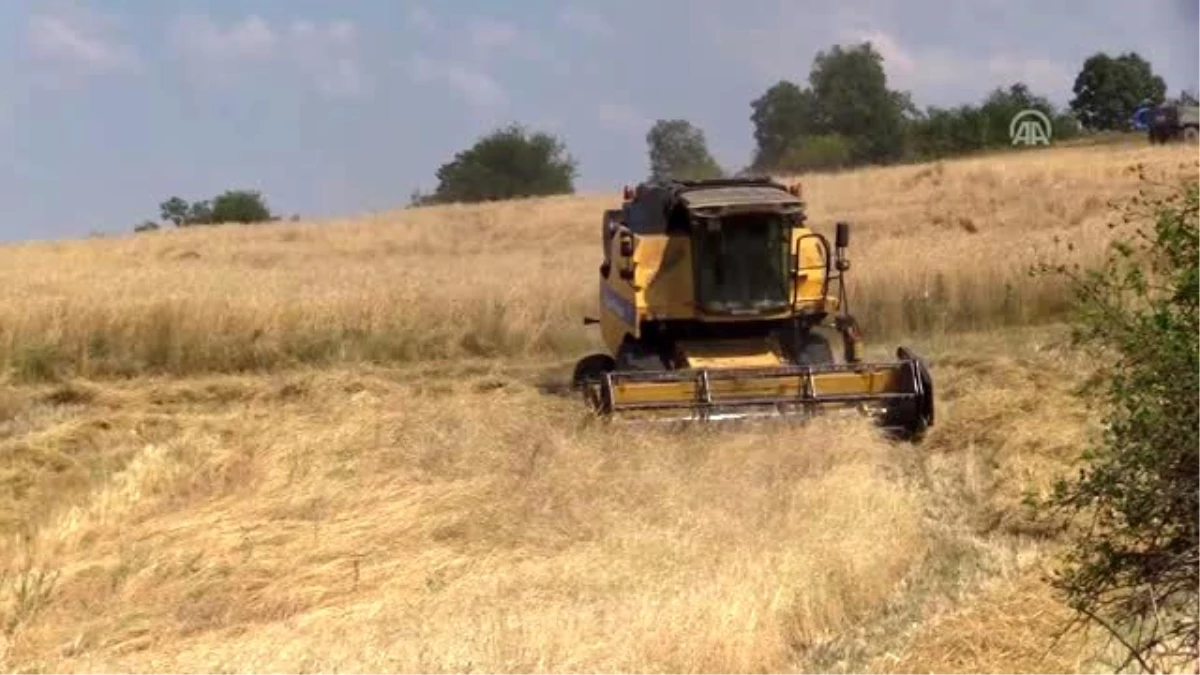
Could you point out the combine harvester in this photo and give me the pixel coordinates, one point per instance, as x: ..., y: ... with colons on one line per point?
x: 711, y: 296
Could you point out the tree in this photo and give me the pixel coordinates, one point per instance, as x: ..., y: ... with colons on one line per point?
x: 781, y: 115
x: 944, y: 132
x: 816, y: 152
x: 174, y: 210
x: 679, y: 150
x: 200, y: 213
x: 505, y: 164
x: 1132, y: 568
x: 146, y: 226
x: 236, y: 206
x: 231, y: 206
x: 851, y: 98
x: 1109, y: 90
x: 847, y: 97
x: 1002, y: 105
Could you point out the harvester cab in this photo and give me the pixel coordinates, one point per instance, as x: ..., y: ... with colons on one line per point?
x: 714, y: 300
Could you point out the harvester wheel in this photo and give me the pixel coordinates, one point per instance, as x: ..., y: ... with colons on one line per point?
x: 813, y: 349
x: 586, y: 379
x: 916, y: 417
x: 634, y: 355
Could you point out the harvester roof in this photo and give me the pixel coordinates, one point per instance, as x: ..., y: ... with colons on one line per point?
x: 654, y: 203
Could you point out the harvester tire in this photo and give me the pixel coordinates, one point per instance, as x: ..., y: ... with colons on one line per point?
x: 918, y: 416
x: 636, y: 356
x: 813, y: 349
x: 588, y: 372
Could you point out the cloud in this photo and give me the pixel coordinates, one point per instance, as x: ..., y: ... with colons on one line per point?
x: 326, y: 55
x: 250, y: 39
x: 468, y: 72
x: 487, y: 35
x: 491, y: 38
x: 1042, y: 75
x: 329, y: 55
x: 907, y: 69
x: 584, y: 22
x: 986, y: 49
x: 621, y: 117
x: 421, y: 20
x: 934, y: 68
x: 479, y: 89
x: 76, y: 43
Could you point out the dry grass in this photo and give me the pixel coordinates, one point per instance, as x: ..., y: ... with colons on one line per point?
x: 443, y: 513
x: 383, y: 519
x: 345, y: 521
x: 380, y: 520
x: 938, y: 247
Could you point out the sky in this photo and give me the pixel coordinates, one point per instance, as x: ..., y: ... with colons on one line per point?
x: 345, y: 108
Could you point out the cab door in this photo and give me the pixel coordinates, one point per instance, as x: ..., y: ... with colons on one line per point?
x: 618, y: 295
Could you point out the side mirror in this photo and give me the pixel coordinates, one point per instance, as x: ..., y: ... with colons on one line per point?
x: 626, y: 251
x: 842, y: 237
x: 626, y: 244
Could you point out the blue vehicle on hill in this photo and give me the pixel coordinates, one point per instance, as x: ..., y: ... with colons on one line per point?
x: 1174, y: 121
x: 1140, y: 121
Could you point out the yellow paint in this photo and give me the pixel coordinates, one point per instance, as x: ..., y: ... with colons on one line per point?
x: 662, y: 283
x: 655, y: 281
x: 732, y: 353
x: 686, y: 390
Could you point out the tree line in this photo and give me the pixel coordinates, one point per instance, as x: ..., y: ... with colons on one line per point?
x: 845, y: 115
x: 231, y: 206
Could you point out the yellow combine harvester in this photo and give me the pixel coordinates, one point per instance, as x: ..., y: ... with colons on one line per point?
x: 712, y: 294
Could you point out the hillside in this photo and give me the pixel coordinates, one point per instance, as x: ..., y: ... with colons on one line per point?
x: 331, y: 446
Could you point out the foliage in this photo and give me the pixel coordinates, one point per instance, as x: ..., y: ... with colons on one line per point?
x: 943, y: 133
x: 849, y: 108
x: 1109, y: 90
x: 1133, y: 568
x: 679, y: 150
x: 851, y: 98
x: 146, y: 226
x: 231, y: 206
x: 200, y: 213
x: 237, y: 206
x: 781, y: 115
x: 847, y: 97
x: 818, y: 152
x: 175, y: 210
x: 1002, y: 105
x: 508, y: 163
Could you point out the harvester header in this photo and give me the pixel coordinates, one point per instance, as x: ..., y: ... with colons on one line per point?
x: 715, y: 300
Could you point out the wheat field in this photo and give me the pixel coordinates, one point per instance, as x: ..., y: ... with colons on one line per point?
x: 336, y: 447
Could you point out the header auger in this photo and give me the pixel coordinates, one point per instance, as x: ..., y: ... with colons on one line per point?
x: 714, y: 297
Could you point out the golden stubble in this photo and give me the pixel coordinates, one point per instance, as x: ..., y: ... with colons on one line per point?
x: 398, y: 529
x: 943, y: 246
x: 422, y: 505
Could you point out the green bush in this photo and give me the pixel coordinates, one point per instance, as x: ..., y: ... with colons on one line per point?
x: 1132, y: 566
x: 508, y: 163
x: 817, y: 153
